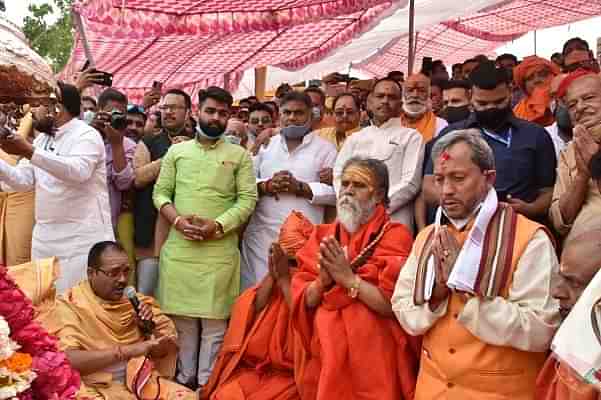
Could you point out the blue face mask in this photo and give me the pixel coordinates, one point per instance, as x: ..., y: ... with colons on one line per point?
x: 296, y: 131
x: 88, y: 117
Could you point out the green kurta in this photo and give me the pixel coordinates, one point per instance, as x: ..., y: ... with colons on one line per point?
x: 202, y: 279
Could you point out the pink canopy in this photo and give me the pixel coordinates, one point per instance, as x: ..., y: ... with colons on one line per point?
x: 192, y: 44
x: 462, y: 38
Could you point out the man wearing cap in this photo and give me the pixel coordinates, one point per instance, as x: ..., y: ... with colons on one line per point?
x: 477, y: 284
x: 417, y: 110
x: 349, y: 345
x: 576, y: 197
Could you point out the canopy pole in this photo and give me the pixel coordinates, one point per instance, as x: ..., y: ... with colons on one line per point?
x: 226, y: 81
x: 82, y: 33
x: 411, y: 36
x: 535, y: 44
x: 260, y: 82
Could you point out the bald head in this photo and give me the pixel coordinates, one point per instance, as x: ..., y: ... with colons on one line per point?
x: 580, y: 261
x: 583, y: 100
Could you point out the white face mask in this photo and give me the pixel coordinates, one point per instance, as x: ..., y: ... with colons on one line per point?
x: 88, y: 116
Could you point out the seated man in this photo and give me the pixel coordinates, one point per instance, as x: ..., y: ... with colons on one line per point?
x: 257, y: 355
x: 580, y: 262
x: 477, y: 284
x: 349, y: 345
x: 100, y: 332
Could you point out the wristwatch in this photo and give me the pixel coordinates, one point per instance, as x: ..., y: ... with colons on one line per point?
x: 353, y: 291
x: 218, y: 230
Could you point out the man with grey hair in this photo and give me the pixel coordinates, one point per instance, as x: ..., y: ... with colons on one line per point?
x: 341, y: 295
x: 477, y: 284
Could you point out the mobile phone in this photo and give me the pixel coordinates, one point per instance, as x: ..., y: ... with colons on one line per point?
x: 157, y: 85
x: 502, y: 195
x: 106, y: 80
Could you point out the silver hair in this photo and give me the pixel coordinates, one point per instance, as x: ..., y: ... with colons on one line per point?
x: 482, y: 154
x: 379, y: 169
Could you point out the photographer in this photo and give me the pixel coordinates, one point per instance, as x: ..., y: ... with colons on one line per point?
x: 65, y: 166
x: 111, y: 122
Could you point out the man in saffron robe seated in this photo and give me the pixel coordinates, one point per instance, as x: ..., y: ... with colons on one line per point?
x: 580, y: 262
x: 350, y: 345
x: 477, y: 284
x: 257, y: 356
x: 102, y: 335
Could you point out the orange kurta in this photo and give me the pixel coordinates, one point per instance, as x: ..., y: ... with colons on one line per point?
x: 555, y: 382
x: 256, y: 361
x: 457, y: 365
x: 426, y: 125
x: 350, y: 351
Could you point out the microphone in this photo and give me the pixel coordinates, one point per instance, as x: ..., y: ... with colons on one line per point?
x: 147, y: 325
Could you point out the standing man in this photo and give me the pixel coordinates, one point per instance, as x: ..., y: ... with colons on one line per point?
x: 417, y: 107
x: 206, y: 190
x: 401, y: 149
x: 288, y: 175
x: 260, y: 119
x: 66, y: 167
x: 136, y: 121
x: 477, y: 285
x: 456, y: 96
x: 111, y: 122
x: 175, y: 111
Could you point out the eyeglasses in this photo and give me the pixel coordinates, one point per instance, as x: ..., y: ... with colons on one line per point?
x: 342, y: 113
x: 257, y: 121
x: 171, y: 107
x: 134, y: 108
x: 116, y: 273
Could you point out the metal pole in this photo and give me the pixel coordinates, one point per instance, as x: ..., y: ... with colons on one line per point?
x: 82, y: 33
x: 411, y: 36
x: 535, y: 43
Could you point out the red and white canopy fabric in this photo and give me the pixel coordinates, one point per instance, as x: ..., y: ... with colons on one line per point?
x: 193, y: 44
x: 480, y: 33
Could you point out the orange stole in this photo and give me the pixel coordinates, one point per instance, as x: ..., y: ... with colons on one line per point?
x: 256, y: 359
x: 350, y: 351
x: 457, y: 365
x: 426, y: 125
x: 555, y: 382
x: 535, y: 108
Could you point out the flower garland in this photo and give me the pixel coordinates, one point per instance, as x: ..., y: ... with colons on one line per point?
x: 38, y: 351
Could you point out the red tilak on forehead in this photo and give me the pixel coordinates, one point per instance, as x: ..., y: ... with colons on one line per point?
x: 444, y: 156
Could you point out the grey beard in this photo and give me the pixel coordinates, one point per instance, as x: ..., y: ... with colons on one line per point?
x: 352, y: 215
x: 410, y: 110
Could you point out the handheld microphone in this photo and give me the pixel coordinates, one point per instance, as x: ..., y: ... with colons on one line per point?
x: 147, y: 325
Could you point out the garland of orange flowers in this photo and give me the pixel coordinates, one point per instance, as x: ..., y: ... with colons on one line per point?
x: 19, y: 362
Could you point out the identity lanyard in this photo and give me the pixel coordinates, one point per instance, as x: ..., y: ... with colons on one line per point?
x: 504, y: 139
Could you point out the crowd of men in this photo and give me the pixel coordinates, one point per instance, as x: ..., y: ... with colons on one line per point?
x: 406, y: 238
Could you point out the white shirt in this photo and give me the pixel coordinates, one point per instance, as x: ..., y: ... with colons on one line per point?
x: 440, y: 125
x: 558, y: 142
x: 72, y: 211
x: 402, y: 150
x: 304, y: 163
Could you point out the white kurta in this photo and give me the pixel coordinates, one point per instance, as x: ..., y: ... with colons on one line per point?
x: 402, y: 150
x: 72, y: 212
x: 304, y: 163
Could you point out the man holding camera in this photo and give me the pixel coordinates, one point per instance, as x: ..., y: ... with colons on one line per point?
x: 111, y: 122
x: 66, y: 168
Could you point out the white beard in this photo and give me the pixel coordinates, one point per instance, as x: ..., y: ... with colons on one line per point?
x: 414, y: 110
x: 352, y: 215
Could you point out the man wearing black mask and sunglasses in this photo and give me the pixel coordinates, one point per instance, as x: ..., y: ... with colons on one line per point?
x: 524, y: 152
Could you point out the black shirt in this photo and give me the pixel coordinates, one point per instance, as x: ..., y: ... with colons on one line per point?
x: 524, y: 157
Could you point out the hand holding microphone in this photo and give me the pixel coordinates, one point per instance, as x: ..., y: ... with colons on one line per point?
x: 143, y: 312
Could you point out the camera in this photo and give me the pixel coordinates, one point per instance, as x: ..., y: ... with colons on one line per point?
x: 118, y: 120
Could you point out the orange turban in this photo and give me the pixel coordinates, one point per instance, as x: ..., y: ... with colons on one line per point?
x: 568, y: 80
x: 529, y: 66
x: 294, y: 233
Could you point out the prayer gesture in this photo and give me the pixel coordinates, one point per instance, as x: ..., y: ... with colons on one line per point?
x: 278, y: 264
x: 445, y: 250
x: 333, y: 259
x: 186, y: 226
x: 208, y: 227
x: 585, y: 148
x: 284, y: 182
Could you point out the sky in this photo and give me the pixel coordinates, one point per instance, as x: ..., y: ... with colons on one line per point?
x: 548, y: 40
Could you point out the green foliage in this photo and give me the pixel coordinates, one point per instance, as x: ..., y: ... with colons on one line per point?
x: 52, y: 41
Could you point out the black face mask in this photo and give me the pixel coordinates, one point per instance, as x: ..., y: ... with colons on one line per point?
x: 211, y: 131
x: 493, y: 118
x: 564, y: 123
x: 455, y: 114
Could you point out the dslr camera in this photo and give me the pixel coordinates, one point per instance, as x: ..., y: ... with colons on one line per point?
x: 118, y: 120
